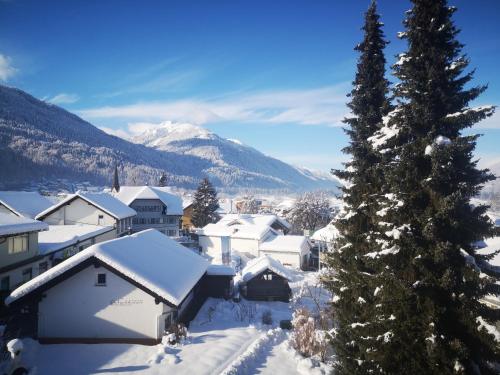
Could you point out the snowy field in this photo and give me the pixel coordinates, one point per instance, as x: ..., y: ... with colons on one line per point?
x: 224, y: 338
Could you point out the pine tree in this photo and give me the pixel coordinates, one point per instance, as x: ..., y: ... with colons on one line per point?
x: 355, y: 282
x: 163, y: 180
x: 433, y: 282
x: 205, y: 205
x: 116, y: 183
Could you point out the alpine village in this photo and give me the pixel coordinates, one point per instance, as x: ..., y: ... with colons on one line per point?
x: 164, y: 248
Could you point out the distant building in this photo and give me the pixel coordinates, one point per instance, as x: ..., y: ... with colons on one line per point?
x: 265, y: 278
x: 99, y: 209
x: 156, y: 207
x: 187, y: 215
x: 130, y: 289
x: 23, y: 203
x: 253, y: 236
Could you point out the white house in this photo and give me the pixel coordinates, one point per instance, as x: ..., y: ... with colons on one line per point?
x: 100, y: 209
x: 292, y: 251
x: 156, y: 207
x: 253, y: 236
x: 129, y: 289
x: 325, y: 237
x: 23, y: 203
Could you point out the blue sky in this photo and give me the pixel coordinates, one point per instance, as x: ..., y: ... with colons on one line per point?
x: 273, y: 74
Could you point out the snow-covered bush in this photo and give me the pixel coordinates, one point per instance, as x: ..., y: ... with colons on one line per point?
x: 310, y: 212
x: 245, y: 311
x: 307, y: 337
x: 176, y: 333
x: 267, y: 317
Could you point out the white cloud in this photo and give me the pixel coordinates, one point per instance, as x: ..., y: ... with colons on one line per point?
x: 320, y: 106
x: 117, y: 132
x: 6, y: 68
x: 63, y: 98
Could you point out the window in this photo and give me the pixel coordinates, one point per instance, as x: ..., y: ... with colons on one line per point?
x: 5, y: 283
x: 27, y: 274
x: 135, y: 221
x: 18, y: 244
x: 101, y: 279
x: 42, y: 267
x: 171, y: 233
x: 268, y: 277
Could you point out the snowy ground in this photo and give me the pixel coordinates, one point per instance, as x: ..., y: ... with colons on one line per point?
x: 224, y: 338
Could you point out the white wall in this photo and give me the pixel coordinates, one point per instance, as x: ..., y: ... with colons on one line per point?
x: 79, y: 211
x: 291, y: 259
x: 76, y: 308
x: 245, y: 245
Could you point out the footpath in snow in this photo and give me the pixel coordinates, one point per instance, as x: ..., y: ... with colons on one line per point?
x: 224, y: 338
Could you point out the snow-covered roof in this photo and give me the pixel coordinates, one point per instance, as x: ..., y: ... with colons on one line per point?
x: 258, y: 265
x: 326, y: 234
x: 11, y: 224
x: 128, y: 194
x: 246, y: 231
x: 492, y: 244
x: 220, y: 270
x: 254, y: 219
x: 61, y: 236
x: 25, y: 203
x: 103, y: 201
x: 150, y: 258
x: 284, y: 243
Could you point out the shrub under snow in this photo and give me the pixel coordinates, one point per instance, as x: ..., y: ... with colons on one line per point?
x: 307, y: 337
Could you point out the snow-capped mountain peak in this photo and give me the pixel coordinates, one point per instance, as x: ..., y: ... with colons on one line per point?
x: 166, y: 132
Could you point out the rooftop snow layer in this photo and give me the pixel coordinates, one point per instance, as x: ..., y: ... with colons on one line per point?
x: 61, y: 236
x: 258, y: 265
x: 220, y: 270
x: 11, y: 224
x: 247, y: 231
x: 103, y: 201
x: 492, y: 244
x: 284, y: 243
x: 128, y: 194
x: 25, y: 203
x: 150, y: 258
x: 325, y: 234
x: 255, y: 219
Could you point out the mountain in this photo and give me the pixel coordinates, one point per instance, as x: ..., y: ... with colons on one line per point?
x: 42, y: 141
x: 231, y: 161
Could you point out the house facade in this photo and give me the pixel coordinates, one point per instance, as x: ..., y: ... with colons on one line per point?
x: 99, y: 209
x: 156, y: 207
x: 18, y: 250
x: 130, y: 289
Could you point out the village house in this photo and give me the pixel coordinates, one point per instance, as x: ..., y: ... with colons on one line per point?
x: 100, y: 209
x: 187, y: 215
x: 29, y: 247
x: 265, y: 278
x: 18, y: 250
x: 253, y: 236
x: 130, y: 289
x: 23, y: 203
x: 156, y: 207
